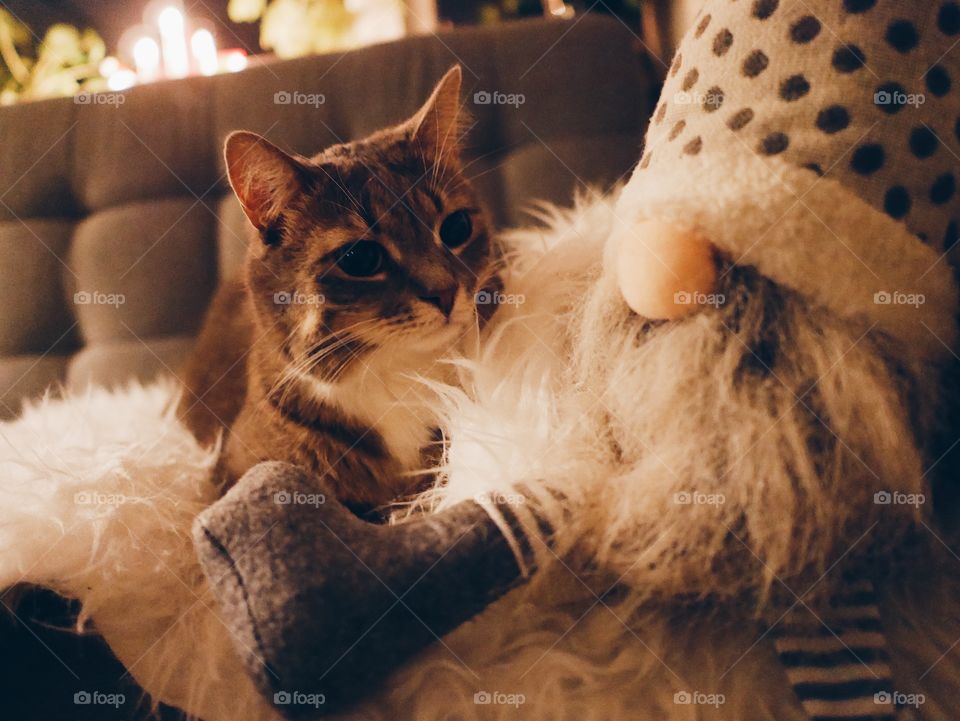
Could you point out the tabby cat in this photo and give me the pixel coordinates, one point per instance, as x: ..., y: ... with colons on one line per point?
x: 364, y: 272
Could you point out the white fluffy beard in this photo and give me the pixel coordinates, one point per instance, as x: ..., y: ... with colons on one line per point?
x: 716, y: 456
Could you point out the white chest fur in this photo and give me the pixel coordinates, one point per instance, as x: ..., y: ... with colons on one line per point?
x: 390, y: 398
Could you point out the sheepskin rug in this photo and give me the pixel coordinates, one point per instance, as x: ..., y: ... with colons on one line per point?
x: 644, y: 606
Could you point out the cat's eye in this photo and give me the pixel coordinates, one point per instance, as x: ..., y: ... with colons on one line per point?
x: 362, y: 259
x: 456, y: 228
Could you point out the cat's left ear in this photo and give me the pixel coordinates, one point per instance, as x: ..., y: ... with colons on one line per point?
x: 436, y: 126
x: 263, y: 177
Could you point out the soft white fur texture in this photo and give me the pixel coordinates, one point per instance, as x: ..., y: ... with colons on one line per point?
x: 97, y: 496
x: 597, y: 420
x: 127, y: 555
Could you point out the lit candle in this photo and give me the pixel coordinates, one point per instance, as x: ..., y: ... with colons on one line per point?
x: 422, y: 16
x: 108, y: 66
x: 204, y: 51
x: 558, y: 9
x: 173, y: 40
x: 146, y: 58
x: 233, y: 61
x: 122, y: 79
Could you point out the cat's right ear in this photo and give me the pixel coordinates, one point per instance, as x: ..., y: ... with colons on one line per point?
x: 263, y: 177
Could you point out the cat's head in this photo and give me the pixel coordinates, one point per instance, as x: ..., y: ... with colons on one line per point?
x: 375, y: 244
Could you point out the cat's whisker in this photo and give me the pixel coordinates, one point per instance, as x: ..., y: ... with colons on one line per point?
x: 489, y: 170
x: 343, y: 207
x: 340, y: 345
x: 293, y: 372
x: 344, y: 364
x: 320, y: 351
x: 338, y: 181
x: 451, y: 133
x: 463, y: 168
x: 357, y: 205
x: 290, y: 373
x: 445, y: 180
x: 334, y: 334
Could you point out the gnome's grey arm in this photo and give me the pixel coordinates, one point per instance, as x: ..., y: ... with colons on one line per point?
x: 323, y: 605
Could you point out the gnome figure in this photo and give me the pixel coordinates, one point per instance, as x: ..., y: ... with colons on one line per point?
x: 814, y: 148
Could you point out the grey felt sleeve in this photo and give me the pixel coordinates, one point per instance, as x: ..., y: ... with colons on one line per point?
x: 323, y: 605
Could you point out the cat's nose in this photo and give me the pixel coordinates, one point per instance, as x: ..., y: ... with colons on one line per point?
x: 442, y: 298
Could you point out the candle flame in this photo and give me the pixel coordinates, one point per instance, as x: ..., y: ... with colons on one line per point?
x: 234, y: 61
x: 146, y: 58
x: 122, y: 79
x: 204, y: 51
x: 176, y: 63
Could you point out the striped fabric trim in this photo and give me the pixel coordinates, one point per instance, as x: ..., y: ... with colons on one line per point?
x: 837, y: 660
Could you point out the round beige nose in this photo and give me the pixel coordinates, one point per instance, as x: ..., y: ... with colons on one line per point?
x: 664, y: 272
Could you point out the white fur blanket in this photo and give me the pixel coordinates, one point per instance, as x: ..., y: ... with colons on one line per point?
x: 98, y: 492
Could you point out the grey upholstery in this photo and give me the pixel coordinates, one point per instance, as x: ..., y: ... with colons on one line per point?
x: 127, y: 201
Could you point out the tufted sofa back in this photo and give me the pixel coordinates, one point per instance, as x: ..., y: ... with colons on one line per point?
x: 116, y: 221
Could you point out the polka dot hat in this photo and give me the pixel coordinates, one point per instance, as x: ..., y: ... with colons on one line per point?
x: 819, y: 140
